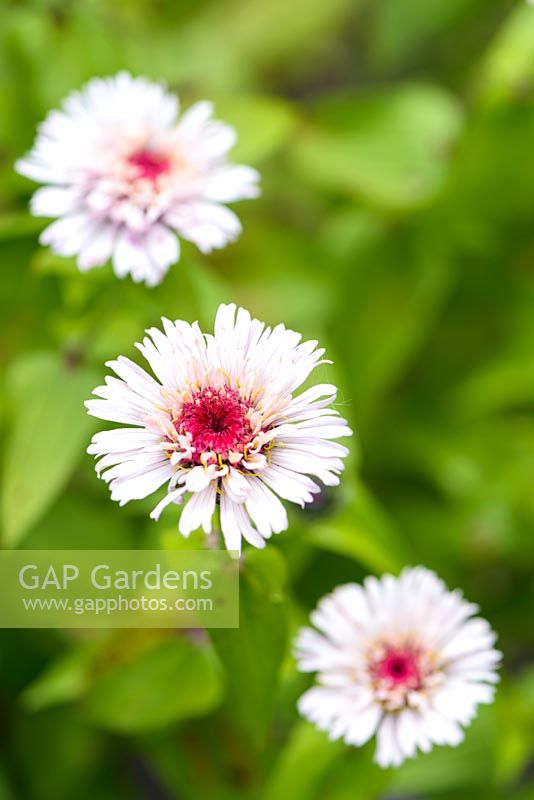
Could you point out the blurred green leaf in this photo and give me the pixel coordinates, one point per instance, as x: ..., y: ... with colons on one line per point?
x: 50, y: 429
x: 263, y: 36
x: 173, y: 680
x: 515, y: 718
x: 66, y: 679
x: 507, y: 381
x: 18, y: 225
x: 252, y: 654
x: 77, y: 522
x: 46, y: 262
x: 263, y: 125
x: 6, y: 792
x: 301, y: 766
x: 57, y: 756
x: 209, y: 289
x: 401, y: 29
x: 363, y: 532
x: 403, y: 281
x: 391, y: 146
x: 487, y: 460
x: 507, y: 71
x: 356, y: 777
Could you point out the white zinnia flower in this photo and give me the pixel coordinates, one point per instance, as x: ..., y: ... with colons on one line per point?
x: 400, y: 657
x: 220, y: 421
x: 125, y: 176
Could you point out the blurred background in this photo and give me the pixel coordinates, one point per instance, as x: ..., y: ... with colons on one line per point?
x: 396, y: 144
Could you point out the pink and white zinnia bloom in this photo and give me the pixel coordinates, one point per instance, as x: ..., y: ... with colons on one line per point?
x: 220, y: 422
x: 125, y: 176
x: 400, y: 657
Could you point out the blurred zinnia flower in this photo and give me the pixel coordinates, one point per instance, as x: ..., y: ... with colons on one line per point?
x: 220, y: 421
x: 125, y: 176
x: 400, y: 657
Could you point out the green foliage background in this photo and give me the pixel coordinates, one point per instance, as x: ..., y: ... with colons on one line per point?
x: 396, y: 143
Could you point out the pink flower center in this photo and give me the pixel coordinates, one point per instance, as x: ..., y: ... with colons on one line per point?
x: 216, y: 420
x: 149, y: 165
x: 399, y: 668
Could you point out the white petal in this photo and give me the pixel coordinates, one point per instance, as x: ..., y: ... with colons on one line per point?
x: 364, y: 725
x: 237, y: 486
x: 207, y: 225
x: 98, y: 250
x: 172, y: 497
x: 55, y: 201
x: 235, y: 525
x: 388, y: 752
x: 230, y: 183
x: 197, y: 479
x: 198, y: 511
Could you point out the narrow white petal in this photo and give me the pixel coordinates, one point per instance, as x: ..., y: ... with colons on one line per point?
x: 172, y: 497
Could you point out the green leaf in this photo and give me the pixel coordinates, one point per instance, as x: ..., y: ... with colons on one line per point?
x: 487, y: 461
x: 361, y: 531
x: 66, y: 679
x: 48, y: 436
x: 391, y: 300
x: 76, y: 522
x: 262, y: 36
x: 6, y: 792
x: 272, y: 262
x: 401, y: 29
x: 263, y: 125
x: 57, y: 755
x: 252, y: 654
x: 506, y: 381
x: 305, y: 759
x: 208, y: 289
x: 507, y: 71
x: 391, y: 147
x: 515, y: 720
x: 356, y: 777
x: 173, y: 680
x: 18, y: 225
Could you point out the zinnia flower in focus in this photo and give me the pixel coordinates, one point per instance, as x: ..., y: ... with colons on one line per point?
x: 125, y: 176
x: 400, y: 657
x: 220, y: 421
